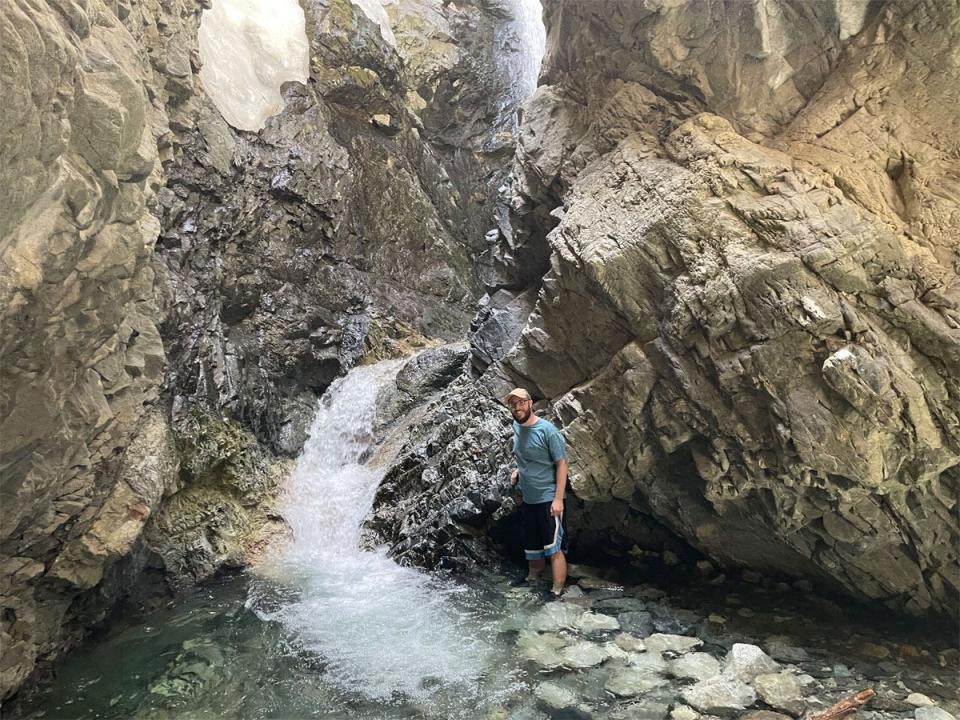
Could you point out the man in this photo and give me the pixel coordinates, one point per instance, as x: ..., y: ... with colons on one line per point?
x: 542, y: 473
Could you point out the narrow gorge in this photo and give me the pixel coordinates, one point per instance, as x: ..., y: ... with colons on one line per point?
x: 268, y: 268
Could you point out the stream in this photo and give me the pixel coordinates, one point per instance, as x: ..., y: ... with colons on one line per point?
x: 323, y: 629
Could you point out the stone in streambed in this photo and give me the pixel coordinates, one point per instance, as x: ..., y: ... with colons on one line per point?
x: 660, y: 642
x: 919, y: 700
x: 556, y: 616
x: 695, y: 666
x: 630, y: 682
x: 630, y: 643
x: 763, y: 715
x: 932, y: 712
x: 555, y: 697
x: 684, y: 712
x: 583, y: 655
x: 745, y: 662
x: 543, y: 649
x: 591, y: 622
x: 637, y: 622
x: 720, y: 695
x: 781, y: 691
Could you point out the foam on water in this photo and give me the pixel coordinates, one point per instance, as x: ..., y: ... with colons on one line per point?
x: 381, y: 629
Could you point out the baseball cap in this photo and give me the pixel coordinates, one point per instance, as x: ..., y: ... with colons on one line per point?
x: 518, y: 393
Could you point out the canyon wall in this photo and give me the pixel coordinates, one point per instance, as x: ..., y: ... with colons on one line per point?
x: 177, y: 292
x: 732, y: 278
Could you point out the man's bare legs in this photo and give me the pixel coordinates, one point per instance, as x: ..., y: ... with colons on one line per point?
x: 535, y: 568
x: 558, y: 568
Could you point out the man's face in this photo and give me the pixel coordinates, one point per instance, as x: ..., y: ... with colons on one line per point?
x: 521, y: 409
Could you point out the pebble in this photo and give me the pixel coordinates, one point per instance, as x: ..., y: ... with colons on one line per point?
x: 650, y: 661
x: 591, y: 622
x: 719, y: 695
x: 640, y: 623
x: 878, y: 652
x: 631, y: 682
x: 764, y: 715
x: 780, y: 649
x: 554, y: 696
x: 781, y: 691
x: 583, y: 654
x: 745, y: 612
x: 919, y: 700
x: 542, y: 649
x: 660, y: 642
x: 932, y: 712
x: 695, y: 666
x: 630, y: 643
x: 556, y: 616
x: 684, y: 712
x: 717, y: 619
x: 745, y: 662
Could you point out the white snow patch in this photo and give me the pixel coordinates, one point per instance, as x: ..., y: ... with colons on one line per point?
x: 248, y: 49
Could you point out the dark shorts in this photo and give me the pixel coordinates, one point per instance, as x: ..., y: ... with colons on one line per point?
x: 542, y: 534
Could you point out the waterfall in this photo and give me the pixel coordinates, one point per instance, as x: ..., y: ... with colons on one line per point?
x: 529, y: 29
x: 381, y: 629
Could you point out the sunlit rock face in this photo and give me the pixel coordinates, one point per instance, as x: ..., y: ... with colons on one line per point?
x: 86, y: 456
x: 249, y: 48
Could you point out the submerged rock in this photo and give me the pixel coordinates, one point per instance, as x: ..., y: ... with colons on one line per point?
x: 634, y: 681
x: 695, y: 666
x: 719, y: 695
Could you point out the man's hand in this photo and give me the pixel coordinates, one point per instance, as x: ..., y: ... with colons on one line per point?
x: 556, y: 507
x: 513, y: 476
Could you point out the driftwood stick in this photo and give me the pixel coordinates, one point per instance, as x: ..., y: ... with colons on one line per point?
x: 846, y: 706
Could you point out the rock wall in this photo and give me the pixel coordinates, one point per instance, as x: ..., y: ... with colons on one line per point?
x: 733, y: 278
x: 177, y: 293
x: 85, y: 461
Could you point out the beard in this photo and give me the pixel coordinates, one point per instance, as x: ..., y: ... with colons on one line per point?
x: 521, y: 416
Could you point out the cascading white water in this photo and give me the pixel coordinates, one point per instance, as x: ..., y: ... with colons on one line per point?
x: 528, y: 25
x: 383, y: 630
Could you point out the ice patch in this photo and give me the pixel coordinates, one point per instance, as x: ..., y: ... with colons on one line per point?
x: 248, y: 49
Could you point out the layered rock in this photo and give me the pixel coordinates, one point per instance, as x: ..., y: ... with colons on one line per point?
x: 85, y: 461
x: 733, y: 275
x: 349, y: 227
x: 360, y: 209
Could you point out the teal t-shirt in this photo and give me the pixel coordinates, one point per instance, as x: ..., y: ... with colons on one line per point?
x: 537, y: 448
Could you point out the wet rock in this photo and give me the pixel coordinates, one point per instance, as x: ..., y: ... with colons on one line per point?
x: 617, y: 605
x: 719, y: 695
x: 780, y: 649
x: 631, y: 682
x: 544, y: 649
x: 781, y: 691
x: 590, y: 623
x: 556, y: 616
x: 932, y: 712
x: 555, y: 697
x: 695, y: 666
x: 684, y: 712
x: 636, y: 622
x: 745, y: 662
x: 649, y: 661
x: 763, y: 715
x: 679, y: 644
x: 630, y: 643
x: 919, y: 700
x: 583, y: 654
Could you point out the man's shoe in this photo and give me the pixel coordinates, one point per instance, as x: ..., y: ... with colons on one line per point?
x: 551, y: 595
x: 520, y: 582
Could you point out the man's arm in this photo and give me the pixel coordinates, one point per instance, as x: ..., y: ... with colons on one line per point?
x: 556, y: 507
